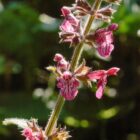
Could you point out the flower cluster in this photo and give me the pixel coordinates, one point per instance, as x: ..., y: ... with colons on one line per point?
x: 29, y: 134
x: 33, y: 131
x: 71, y: 29
x: 67, y: 81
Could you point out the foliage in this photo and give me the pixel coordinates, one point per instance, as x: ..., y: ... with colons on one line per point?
x: 127, y: 16
x: 18, y: 25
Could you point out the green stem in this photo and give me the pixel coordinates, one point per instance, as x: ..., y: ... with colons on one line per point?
x: 79, y: 49
x: 74, y: 62
x: 54, y: 116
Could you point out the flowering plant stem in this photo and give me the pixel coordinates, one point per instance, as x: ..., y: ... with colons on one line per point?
x: 74, y: 62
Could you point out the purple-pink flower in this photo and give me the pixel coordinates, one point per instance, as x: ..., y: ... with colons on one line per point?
x: 104, y: 40
x: 68, y: 84
x: 101, y: 77
x: 69, y: 16
x: 29, y: 134
x: 67, y: 81
x: 70, y: 27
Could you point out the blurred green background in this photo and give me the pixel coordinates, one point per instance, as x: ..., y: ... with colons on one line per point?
x: 28, y: 41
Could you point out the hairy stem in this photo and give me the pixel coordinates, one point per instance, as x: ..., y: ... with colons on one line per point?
x: 54, y: 116
x: 74, y: 62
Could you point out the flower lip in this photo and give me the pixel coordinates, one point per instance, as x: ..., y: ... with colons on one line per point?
x: 65, y: 11
x: 113, y: 71
x: 95, y: 75
x: 67, y: 75
x: 68, y: 84
x: 98, y: 74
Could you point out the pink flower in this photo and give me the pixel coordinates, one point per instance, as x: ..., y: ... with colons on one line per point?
x: 27, y: 132
x: 66, y: 12
x: 104, y: 40
x: 70, y: 27
x: 69, y: 31
x: 30, y: 135
x: 61, y: 62
x: 70, y: 20
x: 66, y: 81
x: 68, y: 85
x: 101, y: 76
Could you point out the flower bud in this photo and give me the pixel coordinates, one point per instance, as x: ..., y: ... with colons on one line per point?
x: 61, y: 62
x: 107, y: 11
x: 58, y: 57
x: 83, y: 7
